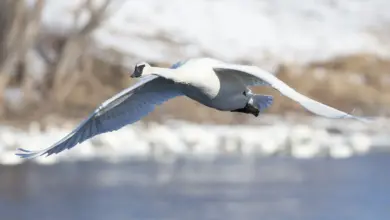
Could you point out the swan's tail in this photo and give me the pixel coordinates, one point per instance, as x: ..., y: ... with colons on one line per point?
x: 262, y: 102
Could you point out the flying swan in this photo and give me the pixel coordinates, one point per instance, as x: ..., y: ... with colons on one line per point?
x: 211, y: 82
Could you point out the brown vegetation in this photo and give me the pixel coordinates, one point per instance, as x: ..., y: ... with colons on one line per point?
x: 67, y: 66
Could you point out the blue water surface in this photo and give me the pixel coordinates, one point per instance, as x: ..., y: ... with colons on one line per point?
x: 188, y: 189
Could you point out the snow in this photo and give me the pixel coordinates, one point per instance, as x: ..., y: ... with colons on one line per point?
x: 303, y: 140
x: 233, y: 30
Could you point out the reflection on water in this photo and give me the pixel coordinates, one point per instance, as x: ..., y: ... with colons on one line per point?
x: 356, y: 188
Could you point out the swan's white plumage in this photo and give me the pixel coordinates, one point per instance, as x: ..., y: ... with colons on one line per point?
x: 262, y: 77
x: 125, y: 108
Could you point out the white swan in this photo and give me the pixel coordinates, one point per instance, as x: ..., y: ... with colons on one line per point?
x: 213, y: 83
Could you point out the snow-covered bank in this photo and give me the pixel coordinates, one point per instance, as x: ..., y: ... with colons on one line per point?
x: 234, y: 30
x: 306, y: 139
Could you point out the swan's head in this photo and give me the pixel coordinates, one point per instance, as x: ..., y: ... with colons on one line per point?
x: 140, y: 69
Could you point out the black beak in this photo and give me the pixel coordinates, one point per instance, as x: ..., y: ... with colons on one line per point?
x: 136, y: 74
x: 138, y: 71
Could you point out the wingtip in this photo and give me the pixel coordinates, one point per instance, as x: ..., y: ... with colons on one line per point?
x: 23, y: 150
x: 27, y: 154
x: 361, y: 119
x: 365, y: 120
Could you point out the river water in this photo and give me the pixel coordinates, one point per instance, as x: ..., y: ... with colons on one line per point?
x: 189, y: 189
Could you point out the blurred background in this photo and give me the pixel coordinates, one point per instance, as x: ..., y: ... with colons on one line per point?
x: 61, y: 58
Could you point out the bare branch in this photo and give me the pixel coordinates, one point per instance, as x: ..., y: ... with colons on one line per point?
x: 20, y: 37
x: 74, y: 48
x: 97, y: 16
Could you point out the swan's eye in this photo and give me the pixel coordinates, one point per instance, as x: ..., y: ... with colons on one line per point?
x: 244, y: 93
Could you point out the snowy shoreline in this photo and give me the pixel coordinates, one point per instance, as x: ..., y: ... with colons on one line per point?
x: 275, y: 137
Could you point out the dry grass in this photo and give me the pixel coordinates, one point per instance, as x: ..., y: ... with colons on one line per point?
x: 345, y: 83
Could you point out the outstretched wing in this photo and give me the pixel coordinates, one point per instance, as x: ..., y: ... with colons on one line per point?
x: 256, y: 76
x: 125, y: 108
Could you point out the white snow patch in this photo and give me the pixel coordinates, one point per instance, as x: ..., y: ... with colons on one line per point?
x: 169, y: 140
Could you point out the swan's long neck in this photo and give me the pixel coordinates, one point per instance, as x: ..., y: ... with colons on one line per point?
x: 163, y: 72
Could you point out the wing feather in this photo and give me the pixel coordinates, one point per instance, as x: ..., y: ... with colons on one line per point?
x: 125, y: 108
x: 268, y: 78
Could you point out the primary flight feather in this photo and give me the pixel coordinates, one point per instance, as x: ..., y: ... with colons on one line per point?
x: 213, y: 83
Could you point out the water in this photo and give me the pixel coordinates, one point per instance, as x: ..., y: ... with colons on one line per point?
x: 229, y: 188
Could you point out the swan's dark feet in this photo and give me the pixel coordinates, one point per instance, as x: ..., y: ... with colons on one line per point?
x: 248, y: 109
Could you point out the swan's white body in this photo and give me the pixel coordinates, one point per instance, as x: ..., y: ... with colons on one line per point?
x: 211, y: 82
x: 198, y: 81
